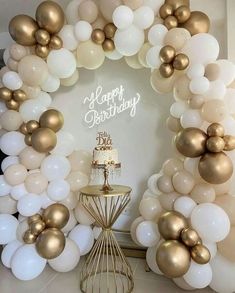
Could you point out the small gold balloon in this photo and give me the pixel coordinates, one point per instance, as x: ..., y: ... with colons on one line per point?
x: 182, y: 13
x: 215, y: 168
x: 34, y: 218
x: 198, y: 22
x: 19, y: 96
x: 22, y: 29
x: 52, y: 119
x: 215, y: 144
x: 42, y: 37
x: 166, y: 70
x: 189, y: 237
x: 229, y: 142
x: 166, y: 10
x: 171, y: 224
x: 42, y: 51
x: 13, y: 105
x: 43, y: 140
x: 37, y: 227
x: 50, y: 243
x: 50, y: 17
x: 23, y: 128
x: 32, y: 125
x: 177, y: 3
x: 5, y: 94
x: 215, y: 129
x: 98, y: 36
x: 56, y: 216
x: 108, y: 45
x: 109, y: 30
x: 28, y: 139
x: 167, y: 54
x: 55, y: 43
x: 181, y: 62
x: 170, y: 22
x: 29, y: 237
x: 191, y: 142
x: 200, y: 254
x: 173, y: 259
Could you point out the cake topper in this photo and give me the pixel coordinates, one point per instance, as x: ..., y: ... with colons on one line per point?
x: 104, y: 141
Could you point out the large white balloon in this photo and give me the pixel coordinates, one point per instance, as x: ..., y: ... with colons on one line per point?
x: 44, y: 98
x: 51, y: 84
x: 147, y: 233
x: 65, y: 144
x: 5, y: 188
x: 18, y: 191
x: 26, y: 263
x: 8, y: 251
x: 12, y: 80
x: 184, y: 205
x: 226, y: 72
x: 29, y: 205
x: 151, y: 258
x: 31, y: 110
x: 55, y: 167
x: 143, y: 17
x: 12, y: 143
x: 8, y: 226
x: 134, y: 225
x: 83, y: 31
x: 68, y: 37
x: 210, y: 221
x: 83, y: 236
x: 152, y: 57
x: 123, y: 17
x: 58, y: 189
x: 157, y: 34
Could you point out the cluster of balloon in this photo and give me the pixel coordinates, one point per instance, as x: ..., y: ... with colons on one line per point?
x: 42, y: 32
x: 45, y: 231
x: 214, y: 166
x: 181, y: 244
x: 12, y: 98
x: 105, y: 37
x: 42, y: 135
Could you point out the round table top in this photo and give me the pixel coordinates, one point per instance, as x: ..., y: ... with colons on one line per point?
x: 96, y: 190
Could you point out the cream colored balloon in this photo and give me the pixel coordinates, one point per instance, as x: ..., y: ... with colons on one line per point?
x: 82, y: 216
x: 31, y: 92
x: 177, y: 37
x: 80, y: 160
x: 181, y: 89
x: 17, y: 52
x: 227, y: 203
x: 226, y: 246
x: 70, y: 201
x: 36, y: 183
x: 202, y: 193
x: 99, y: 23
x: 133, y: 61
x: 8, y: 205
x: 30, y: 158
x: 164, y: 184
x: 15, y: 174
x: 88, y: 11
x: 214, y: 111
x: 171, y: 166
x: 12, y: 64
x: 77, y: 180
x: 223, y: 188
x: 183, y: 182
x: 70, y: 81
x: 167, y: 200
x: 107, y: 8
x: 161, y: 84
x: 133, y: 4
x: 11, y: 120
x: 142, y: 54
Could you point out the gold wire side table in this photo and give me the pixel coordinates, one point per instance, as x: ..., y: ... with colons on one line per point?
x: 106, y: 269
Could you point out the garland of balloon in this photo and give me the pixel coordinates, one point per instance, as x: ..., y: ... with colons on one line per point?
x: 187, y: 212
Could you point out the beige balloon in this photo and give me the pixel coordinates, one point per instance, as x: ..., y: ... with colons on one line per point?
x: 203, y: 193
x: 226, y: 246
x: 107, y: 8
x: 17, y: 52
x: 77, y: 180
x: 30, y: 158
x: 31, y: 92
x: 80, y: 160
x: 15, y: 174
x: 70, y: 81
x: 227, y: 203
x: 11, y: 120
x: 171, y: 166
x: 133, y: 4
x: 164, y: 184
x: 214, y: 111
x: 181, y: 89
x: 167, y: 200
x: 8, y: 205
x: 133, y: 61
x: 36, y: 183
x: 161, y: 84
x: 183, y: 182
x: 88, y: 11
x: 142, y: 54
x: 173, y: 124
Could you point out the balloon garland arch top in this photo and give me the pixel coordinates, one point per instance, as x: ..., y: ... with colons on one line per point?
x: 189, y: 203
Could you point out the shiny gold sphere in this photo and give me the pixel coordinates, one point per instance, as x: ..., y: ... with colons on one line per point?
x: 23, y: 128
x: 42, y: 51
x: 19, y: 96
x: 181, y: 62
x: 5, y: 94
x: 13, y: 105
x: 167, y: 54
x: 166, y: 70
x: 191, y: 142
x: 43, y: 140
x: 55, y: 43
x: 50, y: 243
x: 29, y: 237
x: 42, y: 37
x: 215, y: 168
x: 37, y: 227
x: 198, y: 22
x: 56, y: 216
x: 171, y: 224
x: 215, y: 129
x: 182, y: 13
x: 32, y: 125
x: 189, y: 237
x: 34, y: 218
x: 173, y: 259
x: 28, y: 139
x: 166, y: 10
x: 215, y: 144
x: 109, y: 30
x: 22, y: 29
x: 108, y: 45
x: 52, y: 119
x: 200, y: 254
x: 229, y: 142
x: 50, y: 17
x: 98, y: 36
x: 170, y: 22
x: 177, y: 3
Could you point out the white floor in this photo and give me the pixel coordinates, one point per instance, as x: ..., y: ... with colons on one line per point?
x: 52, y: 282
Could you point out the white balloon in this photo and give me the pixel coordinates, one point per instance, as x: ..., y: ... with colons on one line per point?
x: 151, y: 258
x: 134, y: 225
x: 55, y: 167
x: 3, y: 107
x: 195, y: 70
x: 82, y: 30
x: 129, y: 41
x: 22, y: 228
x: 143, y: 17
x: 8, y: 226
x: 8, y: 251
x: 227, y: 71
x: 45, y: 200
x: 152, y: 57
x: 5, y: 188
x: 12, y: 80
x: 198, y: 276
x: 157, y: 34
x: 184, y: 205
x: 113, y: 55
x: 51, y: 84
x: 18, y: 191
x: 199, y: 85
x: 31, y: 110
x: 147, y: 233
x: 26, y: 263
x: 150, y: 208
x: 82, y: 216
x: 83, y: 236
x: 123, y: 17
x: 217, y: 90
x: 29, y: 204
x: 181, y: 283
x: 152, y: 184
x: 178, y: 108
x: 44, y: 98
x: 65, y: 144
x: 71, y: 11
x: 211, y: 222
x: 61, y: 63
x: 212, y: 248
x: 70, y: 201
x: 58, y: 189
x: 96, y: 232
x: 68, y: 37
x: 191, y: 118
x: 12, y: 143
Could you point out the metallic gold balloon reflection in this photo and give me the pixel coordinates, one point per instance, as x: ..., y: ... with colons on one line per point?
x: 166, y: 70
x: 52, y: 119
x: 215, y: 129
x: 19, y: 96
x: 182, y: 13
x: 189, y: 237
x: 109, y: 30
x: 37, y: 227
x: 177, y: 3
x: 32, y: 125
x: 23, y: 128
x: 34, y: 218
x: 181, y: 61
x: 200, y: 254
x: 42, y: 37
x: 108, y: 45
x: 167, y: 54
x: 170, y: 22
x: 42, y: 51
x: 198, y: 22
x: 166, y: 10
x: 56, y: 216
x: 43, y: 140
x: 215, y: 144
x: 55, y: 43
x: 28, y: 139
x: 98, y: 36
x: 29, y: 237
x: 13, y: 105
x: 5, y: 94
x: 229, y: 141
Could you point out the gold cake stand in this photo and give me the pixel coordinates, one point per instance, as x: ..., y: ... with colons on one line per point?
x: 106, y: 268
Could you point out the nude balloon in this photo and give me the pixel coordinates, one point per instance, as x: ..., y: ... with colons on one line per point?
x: 30, y: 158
x: 36, y: 183
x: 15, y: 174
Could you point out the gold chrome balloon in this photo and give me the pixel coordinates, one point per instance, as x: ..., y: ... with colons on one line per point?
x: 200, y: 254
x: 198, y: 22
x: 56, y: 216
x: 229, y: 142
x: 171, y: 224
x: 42, y: 51
x: 181, y: 62
x: 167, y: 54
x: 29, y: 237
x: 42, y: 37
x: 55, y: 43
x: 108, y: 45
x: 34, y: 218
x: 182, y: 13
x: 173, y: 259
x: 50, y: 17
x: 28, y: 139
x: 166, y: 70
x: 191, y: 142
x: 166, y: 10
x: 109, y: 30
x: 43, y: 140
x: 98, y: 36
x: 52, y: 119
x: 170, y: 22
x: 215, y: 144
x: 50, y: 243
x: 215, y: 168
x: 23, y: 128
x: 189, y: 237
x: 215, y: 129
x: 32, y: 125
x: 37, y: 227
x: 5, y: 94
x: 177, y: 3
x: 13, y: 105
x: 19, y: 96
x: 22, y: 29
